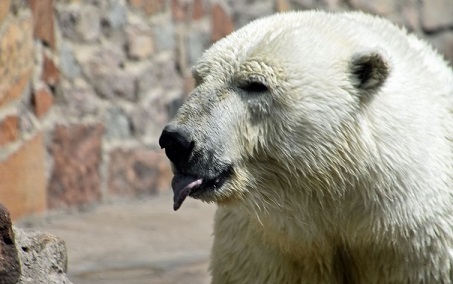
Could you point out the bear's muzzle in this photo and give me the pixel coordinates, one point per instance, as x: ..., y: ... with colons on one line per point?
x: 196, y: 173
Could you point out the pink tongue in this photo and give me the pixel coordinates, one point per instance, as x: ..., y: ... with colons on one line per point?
x: 182, y: 187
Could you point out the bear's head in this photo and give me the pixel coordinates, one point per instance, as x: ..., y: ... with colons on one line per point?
x: 280, y: 99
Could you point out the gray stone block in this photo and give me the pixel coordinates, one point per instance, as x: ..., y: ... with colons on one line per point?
x: 79, y: 22
x: 115, y: 14
x: 164, y: 36
x: 111, y: 84
x: 437, y: 14
x: 68, y: 64
x: 42, y: 256
x: 117, y: 124
x: 197, y: 43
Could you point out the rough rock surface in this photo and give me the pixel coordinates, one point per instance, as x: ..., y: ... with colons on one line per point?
x: 9, y: 261
x: 42, y: 257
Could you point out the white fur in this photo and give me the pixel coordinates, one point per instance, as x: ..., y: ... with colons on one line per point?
x: 331, y: 184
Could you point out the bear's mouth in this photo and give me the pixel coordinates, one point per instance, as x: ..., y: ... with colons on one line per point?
x: 195, y: 186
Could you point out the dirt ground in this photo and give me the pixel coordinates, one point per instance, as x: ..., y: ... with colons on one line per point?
x: 135, y: 242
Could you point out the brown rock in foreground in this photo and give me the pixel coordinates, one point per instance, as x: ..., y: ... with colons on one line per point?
x: 9, y: 261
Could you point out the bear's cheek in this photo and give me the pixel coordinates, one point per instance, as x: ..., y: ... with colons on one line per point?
x: 237, y: 187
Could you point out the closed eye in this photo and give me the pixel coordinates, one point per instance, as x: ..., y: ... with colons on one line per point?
x: 253, y: 87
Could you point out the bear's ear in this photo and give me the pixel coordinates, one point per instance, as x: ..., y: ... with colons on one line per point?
x: 369, y: 70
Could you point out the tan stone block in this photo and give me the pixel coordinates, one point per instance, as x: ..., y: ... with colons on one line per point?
x: 75, y: 177
x: 222, y: 24
x: 23, y: 182
x: 410, y: 14
x: 152, y: 7
x: 43, y: 21
x: 42, y: 101
x: 4, y: 9
x: 15, y: 90
x: 9, y: 129
x: 50, y: 72
x: 281, y: 6
x: 136, y: 3
x: 380, y: 7
x: 437, y: 14
x: 140, y: 44
x: 16, y: 57
x: 197, y: 9
x: 179, y: 10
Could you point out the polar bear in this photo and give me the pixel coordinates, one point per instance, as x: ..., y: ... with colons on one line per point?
x: 326, y: 139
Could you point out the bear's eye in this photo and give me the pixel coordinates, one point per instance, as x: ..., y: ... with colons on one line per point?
x: 253, y: 87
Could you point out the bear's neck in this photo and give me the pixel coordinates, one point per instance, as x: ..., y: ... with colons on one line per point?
x: 328, y: 209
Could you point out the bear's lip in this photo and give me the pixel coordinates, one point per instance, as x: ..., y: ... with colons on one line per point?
x: 194, y: 186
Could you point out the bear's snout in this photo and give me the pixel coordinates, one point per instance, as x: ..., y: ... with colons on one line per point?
x: 177, y: 144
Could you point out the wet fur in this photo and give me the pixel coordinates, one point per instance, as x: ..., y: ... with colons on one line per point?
x: 337, y: 177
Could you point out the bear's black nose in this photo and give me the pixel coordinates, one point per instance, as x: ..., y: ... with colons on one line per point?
x: 177, y: 145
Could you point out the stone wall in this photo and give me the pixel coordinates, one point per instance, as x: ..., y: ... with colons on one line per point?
x: 87, y: 85
x: 23, y: 106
